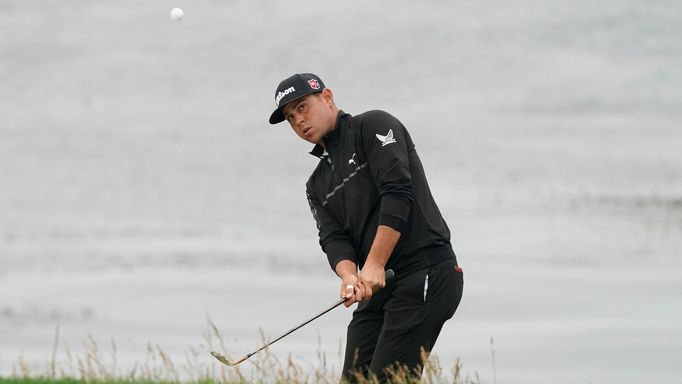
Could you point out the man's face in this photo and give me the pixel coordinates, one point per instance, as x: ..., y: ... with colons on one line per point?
x: 312, y: 117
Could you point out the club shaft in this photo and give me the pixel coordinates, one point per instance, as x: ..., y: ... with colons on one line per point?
x: 389, y: 276
x: 341, y: 301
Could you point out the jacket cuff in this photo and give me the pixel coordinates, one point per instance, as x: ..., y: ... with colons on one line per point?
x: 337, y: 251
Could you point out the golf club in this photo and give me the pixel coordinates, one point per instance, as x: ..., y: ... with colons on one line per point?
x: 226, y: 361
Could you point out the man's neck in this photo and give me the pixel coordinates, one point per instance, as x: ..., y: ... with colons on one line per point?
x: 332, y: 129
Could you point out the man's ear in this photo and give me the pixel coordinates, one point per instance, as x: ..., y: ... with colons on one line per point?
x: 328, y: 96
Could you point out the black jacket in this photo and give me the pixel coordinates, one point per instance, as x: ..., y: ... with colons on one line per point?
x: 368, y: 175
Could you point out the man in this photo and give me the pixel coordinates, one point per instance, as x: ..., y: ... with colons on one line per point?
x: 374, y: 211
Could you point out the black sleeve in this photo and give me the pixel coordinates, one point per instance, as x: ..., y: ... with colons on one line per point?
x: 386, y: 145
x: 334, y: 241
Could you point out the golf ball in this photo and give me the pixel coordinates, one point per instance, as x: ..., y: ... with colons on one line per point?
x: 176, y: 13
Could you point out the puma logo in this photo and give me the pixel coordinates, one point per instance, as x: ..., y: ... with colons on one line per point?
x: 351, y: 161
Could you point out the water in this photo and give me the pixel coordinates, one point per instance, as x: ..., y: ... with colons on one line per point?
x: 142, y: 189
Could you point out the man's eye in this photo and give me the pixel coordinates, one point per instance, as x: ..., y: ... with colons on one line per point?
x: 301, y: 107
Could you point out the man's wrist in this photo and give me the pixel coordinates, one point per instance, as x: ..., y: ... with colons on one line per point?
x: 345, y: 268
x: 374, y: 261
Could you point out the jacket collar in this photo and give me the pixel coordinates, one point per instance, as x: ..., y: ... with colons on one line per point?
x: 332, y: 137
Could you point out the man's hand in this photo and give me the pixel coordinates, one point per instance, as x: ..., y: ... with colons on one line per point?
x: 348, y: 284
x: 347, y: 271
x: 353, y: 289
x: 372, y: 278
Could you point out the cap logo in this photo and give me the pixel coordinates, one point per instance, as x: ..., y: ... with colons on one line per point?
x: 314, y: 84
x: 283, y: 93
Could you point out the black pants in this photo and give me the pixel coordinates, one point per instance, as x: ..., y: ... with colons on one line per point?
x: 402, y: 320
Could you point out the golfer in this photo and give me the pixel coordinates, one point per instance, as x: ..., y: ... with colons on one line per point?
x: 374, y: 211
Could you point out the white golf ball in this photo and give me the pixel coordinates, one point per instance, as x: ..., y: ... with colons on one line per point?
x: 176, y: 13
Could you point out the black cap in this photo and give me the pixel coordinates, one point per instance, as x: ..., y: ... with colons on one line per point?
x: 293, y: 88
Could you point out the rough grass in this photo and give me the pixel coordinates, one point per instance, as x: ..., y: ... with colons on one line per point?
x: 96, y: 366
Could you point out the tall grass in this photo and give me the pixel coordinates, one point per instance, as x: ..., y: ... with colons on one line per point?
x: 95, y: 365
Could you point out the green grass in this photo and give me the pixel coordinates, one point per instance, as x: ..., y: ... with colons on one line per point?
x: 66, y: 380
x: 37, y: 380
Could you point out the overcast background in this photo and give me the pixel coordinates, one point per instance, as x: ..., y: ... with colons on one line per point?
x: 142, y: 189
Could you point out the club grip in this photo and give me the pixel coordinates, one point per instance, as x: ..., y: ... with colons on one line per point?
x: 389, y: 274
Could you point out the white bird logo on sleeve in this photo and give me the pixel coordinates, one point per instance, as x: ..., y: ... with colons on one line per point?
x: 386, y: 140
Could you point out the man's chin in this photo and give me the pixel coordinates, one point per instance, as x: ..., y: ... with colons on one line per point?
x: 312, y: 139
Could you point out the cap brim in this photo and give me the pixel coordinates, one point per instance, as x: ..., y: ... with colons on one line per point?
x: 277, y: 116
